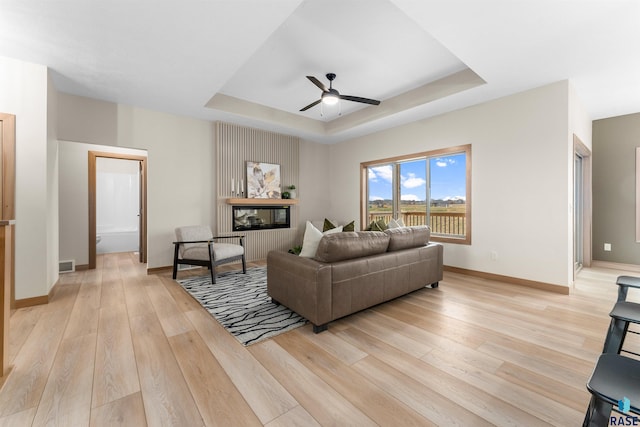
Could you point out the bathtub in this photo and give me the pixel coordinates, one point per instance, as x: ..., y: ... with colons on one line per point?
x: 109, y: 241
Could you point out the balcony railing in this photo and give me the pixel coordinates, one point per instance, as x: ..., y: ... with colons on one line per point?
x: 443, y: 223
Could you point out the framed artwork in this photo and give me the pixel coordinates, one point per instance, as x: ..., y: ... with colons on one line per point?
x: 263, y: 180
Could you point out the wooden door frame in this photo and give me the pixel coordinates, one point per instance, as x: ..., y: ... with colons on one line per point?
x: 7, y: 235
x: 93, y: 156
x: 8, y: 183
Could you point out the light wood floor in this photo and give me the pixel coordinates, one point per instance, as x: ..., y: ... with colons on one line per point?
x: 118, y: 347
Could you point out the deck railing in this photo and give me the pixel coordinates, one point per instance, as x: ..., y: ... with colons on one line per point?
x: 445, y: 223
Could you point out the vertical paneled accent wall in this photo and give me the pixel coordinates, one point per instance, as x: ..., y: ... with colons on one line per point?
x: 235, y: 145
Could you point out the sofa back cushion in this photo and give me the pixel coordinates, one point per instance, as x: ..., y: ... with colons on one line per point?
x: 351, y: 244
x: 408, y: 237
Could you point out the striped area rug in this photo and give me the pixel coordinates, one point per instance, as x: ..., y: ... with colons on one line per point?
x: 241, y: 304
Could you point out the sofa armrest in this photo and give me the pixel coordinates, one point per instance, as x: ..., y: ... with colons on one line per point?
x: 302, y: 284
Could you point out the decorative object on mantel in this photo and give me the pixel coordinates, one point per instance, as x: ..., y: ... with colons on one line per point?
x: 242, y: 306
x: 286, y: 195
x: 292, y: 191
x: 263, y: 180
x: 239, y: 190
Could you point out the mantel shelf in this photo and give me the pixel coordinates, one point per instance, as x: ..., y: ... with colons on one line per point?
x: 262, y: 202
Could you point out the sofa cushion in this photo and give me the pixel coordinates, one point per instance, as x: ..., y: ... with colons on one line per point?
x: 351, y: 244
x: 408, y: 237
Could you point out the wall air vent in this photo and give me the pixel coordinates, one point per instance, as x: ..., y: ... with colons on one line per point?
x: 67, y: 266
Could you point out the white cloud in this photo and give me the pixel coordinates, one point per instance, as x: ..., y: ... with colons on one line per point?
x: 384, y: 172
x: 443, y: 163
x: 374, y: 198
x: 412, y: 181
x: 410, y: 197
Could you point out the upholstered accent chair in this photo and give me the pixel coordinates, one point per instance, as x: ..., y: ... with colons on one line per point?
x: 196, y: 245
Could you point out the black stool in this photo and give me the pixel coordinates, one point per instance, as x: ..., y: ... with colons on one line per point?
x: 623, y: 313
x: 624, y: 283
x: 614, y: 377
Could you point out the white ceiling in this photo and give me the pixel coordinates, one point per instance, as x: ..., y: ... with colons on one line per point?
x: 245, y: 61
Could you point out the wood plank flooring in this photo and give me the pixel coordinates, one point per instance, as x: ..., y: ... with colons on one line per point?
x: 118, y: 347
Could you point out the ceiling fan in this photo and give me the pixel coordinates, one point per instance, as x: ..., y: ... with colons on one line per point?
x: 331, y: 96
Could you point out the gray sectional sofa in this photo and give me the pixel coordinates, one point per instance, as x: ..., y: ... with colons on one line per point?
x: 352, y: 271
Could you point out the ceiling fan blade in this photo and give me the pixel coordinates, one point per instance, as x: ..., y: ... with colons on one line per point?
x: 317, y: 83
x: 313, y: 104
x: 359, y: 99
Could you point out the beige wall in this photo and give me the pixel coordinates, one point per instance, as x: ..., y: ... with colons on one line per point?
x: 520, y: 187
x: 614, y: 173
x: 181, y: 165
x: 88, y: 120
x: 315, y: 191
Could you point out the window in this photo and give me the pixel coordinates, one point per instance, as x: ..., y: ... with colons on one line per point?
x: 432, y: 188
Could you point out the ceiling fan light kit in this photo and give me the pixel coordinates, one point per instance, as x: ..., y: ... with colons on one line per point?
x: 331, y: 96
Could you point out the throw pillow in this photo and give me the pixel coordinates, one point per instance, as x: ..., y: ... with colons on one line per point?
x: 395, y: 223
x: 328, y: 225
x: 312, y: 238
x: 378, y: 225
x: 373, y: 226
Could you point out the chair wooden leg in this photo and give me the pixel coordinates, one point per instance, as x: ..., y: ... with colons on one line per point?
x: 213, y: 274
x: 244, y: 265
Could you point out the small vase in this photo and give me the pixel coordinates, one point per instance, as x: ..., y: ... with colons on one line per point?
x: 292, y: 194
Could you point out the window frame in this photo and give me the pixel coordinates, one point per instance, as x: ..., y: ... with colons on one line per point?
x: 364, y: 190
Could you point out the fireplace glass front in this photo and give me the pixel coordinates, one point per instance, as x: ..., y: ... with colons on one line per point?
x: 260, y: 217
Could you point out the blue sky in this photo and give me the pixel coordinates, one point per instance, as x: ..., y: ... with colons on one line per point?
x: 448, y: 176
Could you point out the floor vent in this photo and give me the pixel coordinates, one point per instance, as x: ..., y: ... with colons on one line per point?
x: 67, y: 266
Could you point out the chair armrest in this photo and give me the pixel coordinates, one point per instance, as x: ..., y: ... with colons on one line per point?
x: 238, y: 236
x: 184, y: 242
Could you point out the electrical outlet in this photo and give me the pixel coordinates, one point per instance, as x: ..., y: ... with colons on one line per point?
x: 494, y: 255
x: 607, y: 247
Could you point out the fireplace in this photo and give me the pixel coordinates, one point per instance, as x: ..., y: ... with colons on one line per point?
x: 260, y: 217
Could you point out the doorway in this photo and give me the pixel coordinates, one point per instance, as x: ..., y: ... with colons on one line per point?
x: 142, y: 224
x: 581, y: 205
